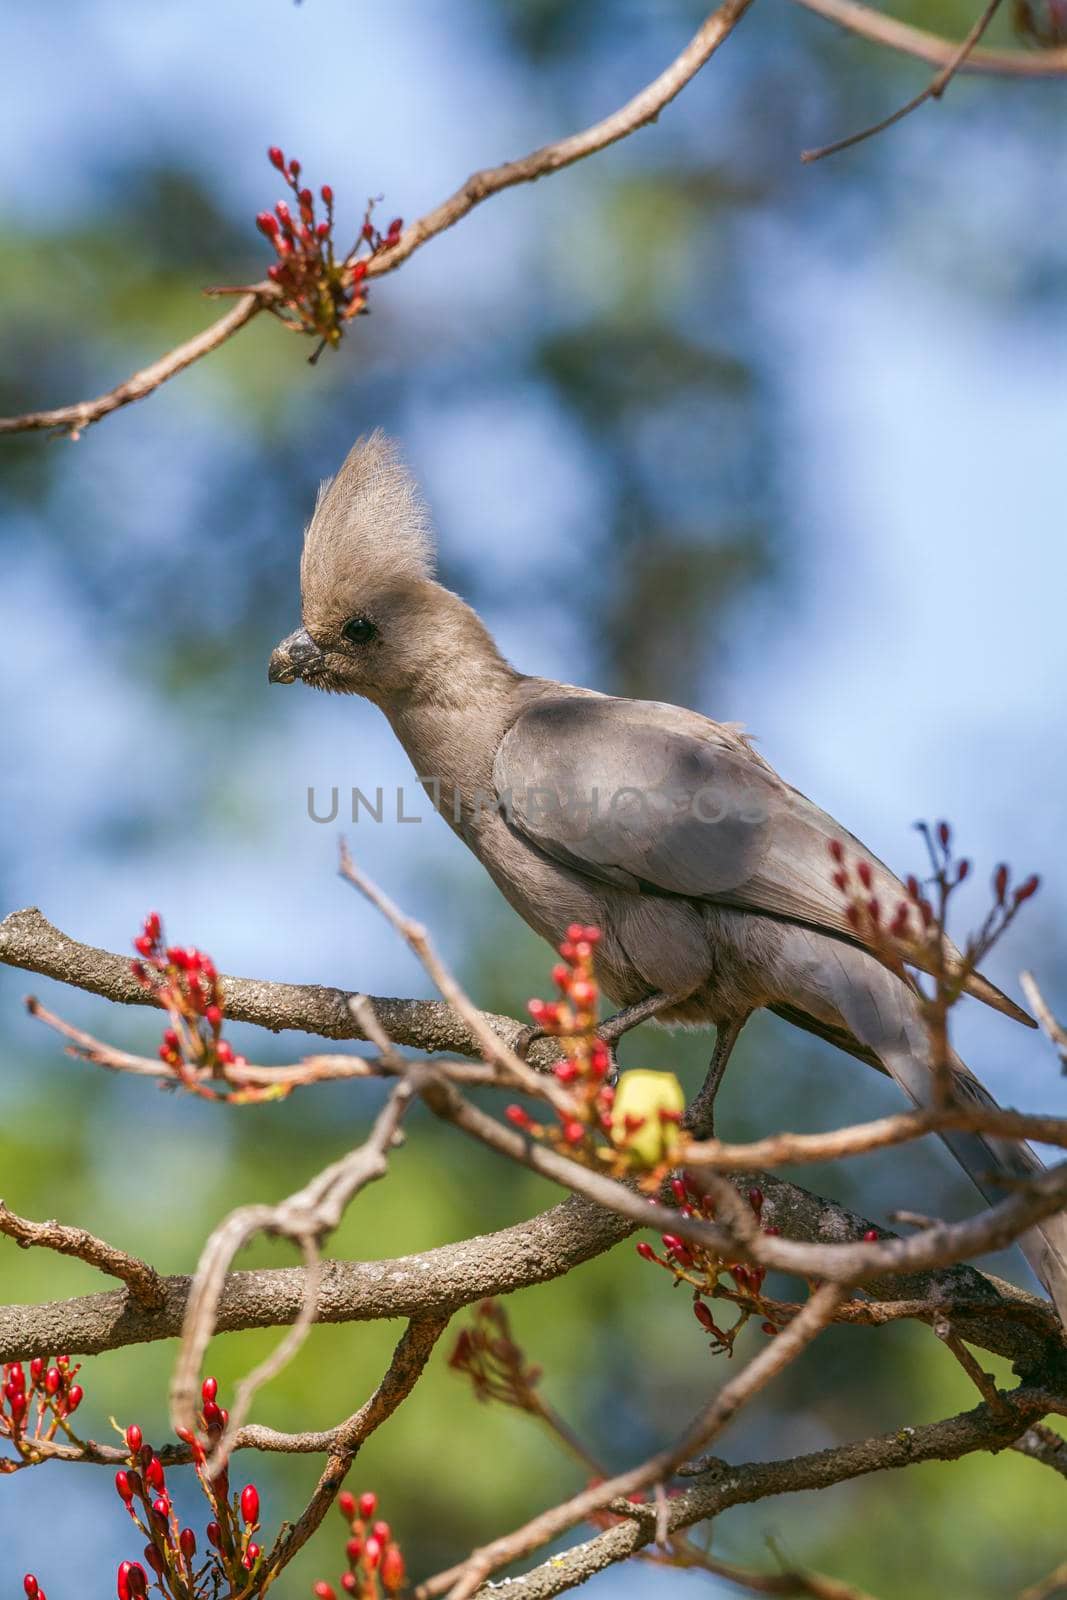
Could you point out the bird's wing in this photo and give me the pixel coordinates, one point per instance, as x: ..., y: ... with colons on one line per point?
x: 657, y: 799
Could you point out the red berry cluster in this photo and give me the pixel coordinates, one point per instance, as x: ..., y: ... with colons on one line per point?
x: 232, y: 1557
x: 375, y: 1561
x: 321, y: 292
x: 34, y: 1409
x: 186, y: 984
x: 486, y: 1353
x: 692, y: 1264
x: 573, y: 1018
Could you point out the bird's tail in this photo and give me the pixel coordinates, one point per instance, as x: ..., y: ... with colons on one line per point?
x: 882, y: 1013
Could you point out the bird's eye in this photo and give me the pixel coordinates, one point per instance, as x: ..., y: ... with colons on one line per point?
x: 357, y: 630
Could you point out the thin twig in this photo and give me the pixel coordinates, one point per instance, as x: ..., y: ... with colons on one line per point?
x: 460, y: 1582
x: 794, y: 1149
x: 645, y: 107
x: 405, y: 1369
x: 1043, y: 1012
x: 982, y: 1380
x: 415, y: 936
x: 143, y: 1281
x: 724, y: 1486
x: 306, y: 1217
x: 933, y: 91
x: 893, y: 34
x: 742, y: 1240
x: 1055, y: 1583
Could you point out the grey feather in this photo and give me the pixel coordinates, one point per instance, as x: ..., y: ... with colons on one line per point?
x: 370, y: 526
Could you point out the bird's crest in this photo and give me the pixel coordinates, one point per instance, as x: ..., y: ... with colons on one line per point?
x: 370, y: 527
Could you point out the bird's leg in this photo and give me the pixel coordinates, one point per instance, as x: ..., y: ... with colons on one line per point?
x: 699, y: 1119
x: 612, y: 1028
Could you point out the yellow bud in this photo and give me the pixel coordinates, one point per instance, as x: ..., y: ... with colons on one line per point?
x: 638, y: 1123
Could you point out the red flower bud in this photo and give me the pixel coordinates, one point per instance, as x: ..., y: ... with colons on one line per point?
x: 368, y: 1504
x: 187, y: 1543
x: 347, y: 1502
x: 323, y: 1591
x: 871, y: 1236
x: 944, y: 833
x: 518, y: 1116
x: 161, y: 1506
x: 29, y: 1583
x: 154, y: 1475
x: 367, y: 231
x: 154, y: 1559
x: 212, y: 1414
x: 1025, y: 890
x: 134, y: 1438
x: 1000, y: 883
x: 382, y: 1532
x: 354, y: 1549
x: 768, y: 1328
x: 52, y: 1380
x: 294, y: 169
x: 962, y: 870
x: 275, y: 157
x: 372, y: 1552
x: 122, y: 1580
x: 213, y: 1534
x: 863, y: 873
x: 250, y: 1557
x: 645, y: 1251
x: 138, y: 1580
x: 392, y: 1570
x: 573, y: 1131
x: 837, y: 851
x: 123, y: 1486
x: 327, y: 195
x: 267, y: 224
x: 137, y: 968
x: 349, y: 1582
x: 755, y: 1200
x: 209, y: 1388
x: 36, y: 1369
x: 250, y: 1503
x: 703, y: 1316
x: 566, y: 1071
x: 143, y: 944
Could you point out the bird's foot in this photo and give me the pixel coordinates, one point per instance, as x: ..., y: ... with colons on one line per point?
x: 529, y: 1036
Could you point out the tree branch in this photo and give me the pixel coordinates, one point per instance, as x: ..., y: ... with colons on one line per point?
x: 29, y: 941
x: 440, y: 1280
x: 645, y: 107
x: 143, y: 1281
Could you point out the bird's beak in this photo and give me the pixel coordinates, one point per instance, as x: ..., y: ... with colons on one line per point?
x: 292, y: 658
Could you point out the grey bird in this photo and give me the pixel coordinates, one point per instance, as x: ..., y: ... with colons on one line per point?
x: 711, y: 879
